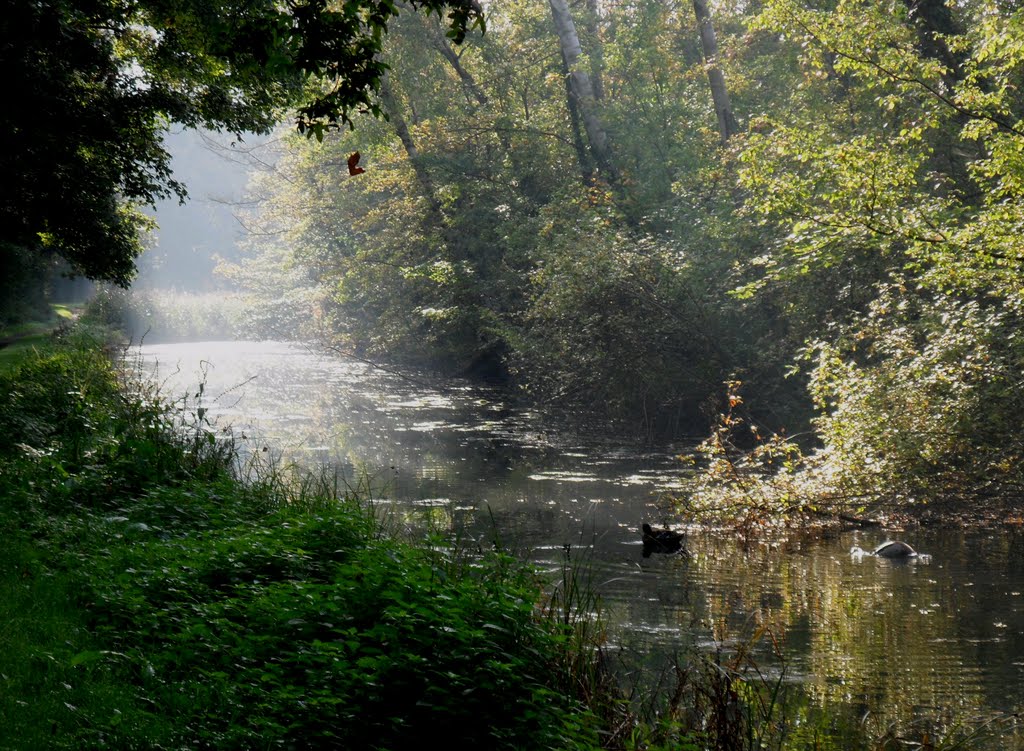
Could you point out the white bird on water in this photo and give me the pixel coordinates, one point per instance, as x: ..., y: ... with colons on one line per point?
x: 890, y: 549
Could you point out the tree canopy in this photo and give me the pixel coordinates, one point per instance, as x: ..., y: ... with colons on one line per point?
x: 92, y: 86
x: 850, y: 245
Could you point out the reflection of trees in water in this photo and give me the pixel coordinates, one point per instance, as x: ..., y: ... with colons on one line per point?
x: 882, y: 640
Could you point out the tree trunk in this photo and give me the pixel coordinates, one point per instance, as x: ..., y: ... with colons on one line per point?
x: 581, y: 88
x: 582, y: 155
x: 468, y: 82
x: 397, y: 120
x: 593, y: 21
x: 727, y: 125
x: 441, y: 44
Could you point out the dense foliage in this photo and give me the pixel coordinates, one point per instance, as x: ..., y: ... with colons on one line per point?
x: 477, y: 241
x: 561, y: 203
x: 854, y: 248
x: 93, y: 85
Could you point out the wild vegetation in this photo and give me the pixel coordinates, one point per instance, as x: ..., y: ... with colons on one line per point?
x: 620, y: 214
x: 617, y: 208
x: 163, y: 315
x: 159, y: 593
x: 794, y: 226
x: 153, y: 598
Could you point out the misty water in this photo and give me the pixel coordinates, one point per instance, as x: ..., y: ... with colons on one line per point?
x: 885, y: 645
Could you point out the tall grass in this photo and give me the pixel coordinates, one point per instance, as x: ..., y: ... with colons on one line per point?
x: 154, y: 595
x: 159, y: 601
x: 173, y: 316
x: 166, y: 316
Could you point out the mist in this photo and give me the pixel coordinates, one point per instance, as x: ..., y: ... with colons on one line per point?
x: 180, y: 294
x: 190, y: 237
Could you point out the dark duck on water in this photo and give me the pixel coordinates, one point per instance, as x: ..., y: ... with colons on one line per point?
x: 661, y: 540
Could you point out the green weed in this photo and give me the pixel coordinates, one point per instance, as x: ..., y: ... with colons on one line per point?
x: 173, y: 604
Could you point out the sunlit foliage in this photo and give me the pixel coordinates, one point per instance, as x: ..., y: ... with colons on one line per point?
x: 862, y: 234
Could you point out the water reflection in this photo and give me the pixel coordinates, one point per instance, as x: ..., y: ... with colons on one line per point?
x: 884, y: 641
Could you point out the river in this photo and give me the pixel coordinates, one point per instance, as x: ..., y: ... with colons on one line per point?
x: 910, y: 649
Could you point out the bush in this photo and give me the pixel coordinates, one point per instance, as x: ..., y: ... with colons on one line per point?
x: 920, y: 406
x: 922, y: 400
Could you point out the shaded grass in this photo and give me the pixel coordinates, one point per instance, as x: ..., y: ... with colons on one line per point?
x: 13, y: 353
x: 154, y: 600
x: 53, y: 690
x: 19, y: 340
x: 57, y: 313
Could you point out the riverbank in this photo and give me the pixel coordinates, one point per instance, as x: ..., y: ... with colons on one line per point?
x: 152, y: 599
x: 14, y: 340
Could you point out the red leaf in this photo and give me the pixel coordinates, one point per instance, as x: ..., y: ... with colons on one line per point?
x: 352, y: 162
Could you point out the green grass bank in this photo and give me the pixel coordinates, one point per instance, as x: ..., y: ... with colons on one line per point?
x: 17, y: 339
x: 151, y: 599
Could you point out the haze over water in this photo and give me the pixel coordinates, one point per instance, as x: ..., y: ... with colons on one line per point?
x: 938, y: 643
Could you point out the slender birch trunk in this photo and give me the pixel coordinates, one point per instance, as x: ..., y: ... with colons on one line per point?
x: 583, y: 156
x: 581, y: 88
x: 727, y: 125
x: 592, y: 23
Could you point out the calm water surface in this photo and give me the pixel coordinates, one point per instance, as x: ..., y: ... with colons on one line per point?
x: 892, y: 644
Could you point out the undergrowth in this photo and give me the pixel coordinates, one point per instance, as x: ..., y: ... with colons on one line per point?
x: 918, y: 413
x: 158, y: 592
x: 154, y: 600
x: 745, y: 478
x: 748, y: 479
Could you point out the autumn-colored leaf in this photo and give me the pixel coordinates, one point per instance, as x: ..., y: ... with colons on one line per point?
x: 353, y: 161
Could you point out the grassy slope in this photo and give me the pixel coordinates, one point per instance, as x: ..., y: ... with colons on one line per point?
x: 20, y: 339
x: 150, y: 600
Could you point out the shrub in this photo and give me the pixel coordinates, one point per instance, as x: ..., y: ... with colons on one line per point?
x: 922, y: 400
